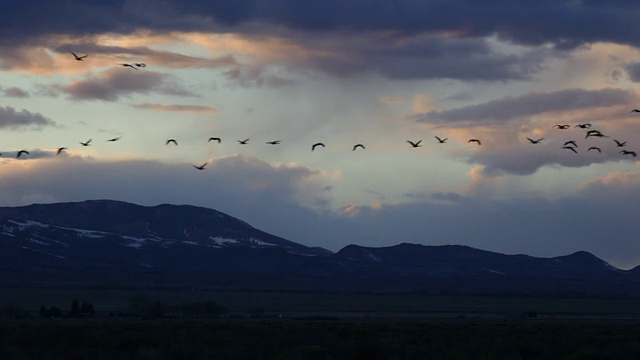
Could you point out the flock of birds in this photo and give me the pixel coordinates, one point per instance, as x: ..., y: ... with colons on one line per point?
x: 570, y: 145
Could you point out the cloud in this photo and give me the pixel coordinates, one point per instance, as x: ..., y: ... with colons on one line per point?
x: 111, y: 84
x: 247, y: 76
x: 633, y: 70
x: 566, y: 24
x: 510, y: 108
x: 147, y: 55
x: 177, y: 108
x: 12, y: 119
x: 15, y: 92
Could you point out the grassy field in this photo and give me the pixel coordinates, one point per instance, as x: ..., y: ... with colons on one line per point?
x: 366, y: 306
x: 299, y: 340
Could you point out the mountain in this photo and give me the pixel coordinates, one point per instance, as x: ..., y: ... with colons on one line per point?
x: 110, y: 243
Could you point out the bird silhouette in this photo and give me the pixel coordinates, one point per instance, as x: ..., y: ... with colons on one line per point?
x: 570, y: 142
x: 201, y: 167
x: 475, y: 141
x: 595, y: 133
x: 78, y: 58
x: 130, y: 66
x: 583, y: 126
x: 357, y: 146
x: 140, y: 65
x: 314, y: 146
x: 171, y: 141
x: 627, y: 152
x: 21, y: 152
x: 635, y: 110
x: 215, y: 139
x: 594, y: 148
x: 441, y: 141
x: 620, y: 143
x: 562, y: 127
x: 415, y: 144
x: 570, y: 148
x: 86, y: 143
x: 275, y: 142
x: 114, y: 139
x: 60, y: 150
x: 243, y: 142
x: 535, y: 141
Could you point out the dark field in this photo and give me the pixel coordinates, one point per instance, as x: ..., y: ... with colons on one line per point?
x: 260, y: 339
x: 355, y: 306
x: 320, y: 326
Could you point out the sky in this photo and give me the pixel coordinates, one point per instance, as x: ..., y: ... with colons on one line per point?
x: 374, y: 72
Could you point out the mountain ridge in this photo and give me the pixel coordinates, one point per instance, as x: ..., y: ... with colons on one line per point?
x: 114, y: 242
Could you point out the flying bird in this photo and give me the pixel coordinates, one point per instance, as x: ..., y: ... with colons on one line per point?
x: 627, y: 152
x: 583, y: 126
x: 594, y: 148
x: 275, y: 142
x: 60, y: 150
x: 357, y: 146
x: 314, y: 146
x: 114, y: 139
x: 620, y: 143
x: 171, y: 141
x: 475, y: 141
x: 562, y: 127
x: 441, y: 141
x: 201, y: 167
x: 86, y: 143
x: 78, y: 58
x: 594, y: 133
x: 570, y: 142
x: 140, y: 65
x: 535, y: 141
x: 215, y: 139
x: 243, y: 142
x: 635, y: 110
x: 570, y: 148
x: 21, y: 152
x: 129, y: 65
x: 415, y: 144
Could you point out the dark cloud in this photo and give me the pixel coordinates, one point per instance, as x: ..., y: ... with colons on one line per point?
x: 249, y: 76
x: 525, y: 159
x: 111, y: 84
x: 565, y: 23
x: 12, y: 119
x: 404, y: 39
x: 15, y: 92
x: 633, y: 70
x: 421, y: 57
x: 499, y: 111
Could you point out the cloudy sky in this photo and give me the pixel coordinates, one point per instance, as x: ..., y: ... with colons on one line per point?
x: 338, y: 72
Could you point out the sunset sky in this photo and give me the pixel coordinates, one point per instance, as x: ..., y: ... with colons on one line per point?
x: 339, y: 72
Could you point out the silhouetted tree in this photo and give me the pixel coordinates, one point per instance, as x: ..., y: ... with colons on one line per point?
x: 87, y: 308
x: 75, y: 309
